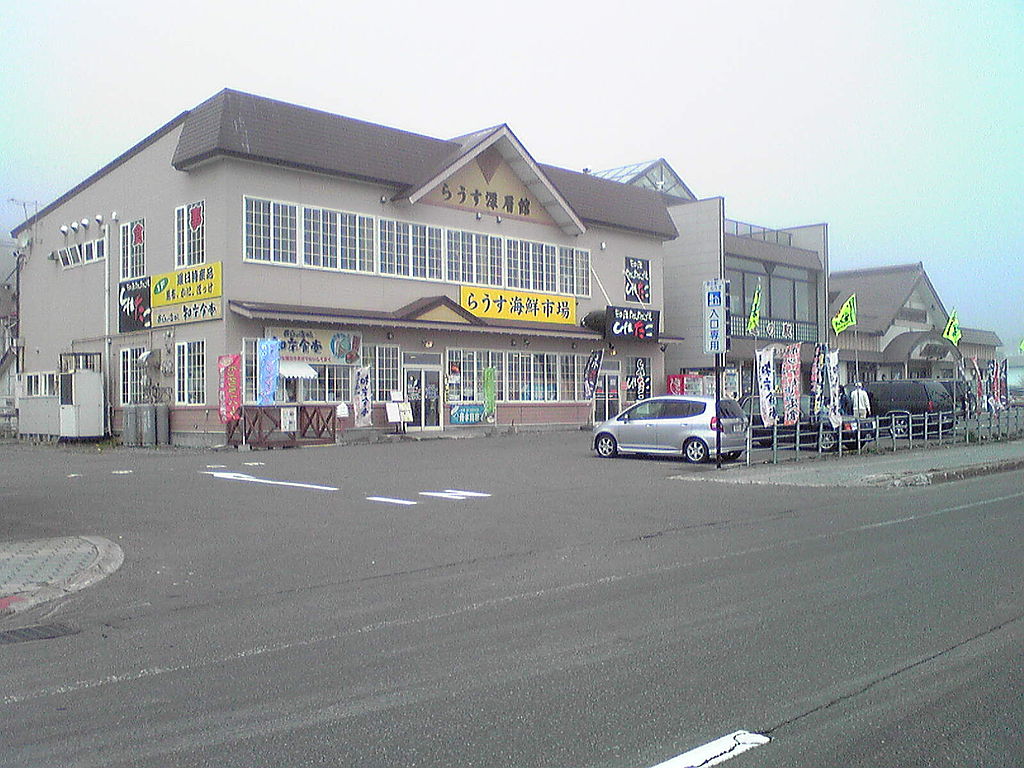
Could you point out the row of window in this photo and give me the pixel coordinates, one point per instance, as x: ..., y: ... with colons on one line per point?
x: 281, y: 233
x: 787, y: 293
x: 82, y: 253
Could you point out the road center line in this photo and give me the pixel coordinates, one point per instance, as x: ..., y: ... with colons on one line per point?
x: 717, y: 751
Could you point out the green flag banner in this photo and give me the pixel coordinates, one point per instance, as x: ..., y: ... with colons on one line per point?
x: 1021, y: 347
x: 490, y: 392
x: 952, y: 331
x: 846, y: 316
x: 754, y: 318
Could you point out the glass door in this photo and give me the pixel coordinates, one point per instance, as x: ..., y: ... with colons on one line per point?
x: 423, y: 391
x: 606, y: 397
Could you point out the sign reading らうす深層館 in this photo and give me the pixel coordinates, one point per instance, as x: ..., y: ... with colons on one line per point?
x: 487, y: 184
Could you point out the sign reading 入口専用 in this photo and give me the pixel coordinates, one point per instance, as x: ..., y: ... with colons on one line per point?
x: 716, y: 316
x: 517, y: 305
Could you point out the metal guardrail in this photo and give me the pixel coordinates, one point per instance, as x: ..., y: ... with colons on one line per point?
x: 893, y: 432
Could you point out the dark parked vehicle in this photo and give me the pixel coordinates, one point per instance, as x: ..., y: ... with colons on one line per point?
x: 814, y: 428
x: 905, y: 398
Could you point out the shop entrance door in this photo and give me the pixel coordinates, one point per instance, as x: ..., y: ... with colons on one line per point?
x: 423, y: 391
x: 606, y: 396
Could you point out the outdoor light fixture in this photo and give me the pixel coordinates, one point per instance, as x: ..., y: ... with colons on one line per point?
x: 479, y: 215
x: 99, y: 218
x: 498, y: 219
x: 64, y: 229
x: 383, y: 199
x: 526, y: 342
x: 574, y: 345
x: 85, y: 223
x: 428, y: 343
x: 390, y: 335
x: 604, y: 245
x: 74, y: 225
x: 113, y: 215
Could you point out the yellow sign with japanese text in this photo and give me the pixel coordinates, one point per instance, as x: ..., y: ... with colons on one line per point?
x: 499, y: 304
x: 188, y: 312
x: 487, y: 184
x: 191, y: 284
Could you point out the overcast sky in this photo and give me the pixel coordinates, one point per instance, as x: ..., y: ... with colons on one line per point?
x: 899, y: 124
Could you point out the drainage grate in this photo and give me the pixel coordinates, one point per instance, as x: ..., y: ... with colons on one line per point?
x: 37, y: 632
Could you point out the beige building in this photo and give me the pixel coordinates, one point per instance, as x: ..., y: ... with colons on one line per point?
x: 425, y: 260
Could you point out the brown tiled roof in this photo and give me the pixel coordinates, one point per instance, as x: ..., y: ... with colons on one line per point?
x: 234, y: 124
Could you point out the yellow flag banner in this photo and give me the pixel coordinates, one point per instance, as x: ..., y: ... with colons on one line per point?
x: 846, y: 316
x: 952, y: 331
x: 754, y: 318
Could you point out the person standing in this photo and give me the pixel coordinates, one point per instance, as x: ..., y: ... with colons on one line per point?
x: 859, y: 401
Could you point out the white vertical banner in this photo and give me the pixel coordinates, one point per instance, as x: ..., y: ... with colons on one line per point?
x: 832, y: 366
x: 363, y: 398
x: 766, y: 385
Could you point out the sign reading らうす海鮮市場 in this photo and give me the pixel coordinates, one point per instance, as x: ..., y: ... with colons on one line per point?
x: 503, y: 304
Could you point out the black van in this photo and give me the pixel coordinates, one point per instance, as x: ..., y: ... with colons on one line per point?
x: 910, y: 395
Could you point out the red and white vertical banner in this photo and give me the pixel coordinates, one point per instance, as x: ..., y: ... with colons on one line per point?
x: 765, y: 359
x: 979, y: 383
x: 675, y: 384
x: 791, y: 390
x: 229, y: 389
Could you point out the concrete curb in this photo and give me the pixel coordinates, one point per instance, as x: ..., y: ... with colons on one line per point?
x: 937, y: 476
x: 109, y: 557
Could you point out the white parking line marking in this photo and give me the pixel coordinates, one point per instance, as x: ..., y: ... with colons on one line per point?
x: 74, y: 475
x: 475, y: 494
x: 388, y: 500
x: 254, y: 463
x: 443, y: 495
x: 216, y: 466
x: 122, y: 471
x: 717, y: 751
x: 250, y: 479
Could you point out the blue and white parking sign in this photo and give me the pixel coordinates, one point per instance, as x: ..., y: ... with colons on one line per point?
x: 716, y: 330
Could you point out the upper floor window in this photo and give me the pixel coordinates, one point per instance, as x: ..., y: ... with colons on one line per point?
x: 133, y: 249
x: 190, y: 235
x: 411, y: 250
x: 271, y: 231
x: 474, y: 258
x: 531, y: 266
x: 337, y: 240
x: 574, y: 271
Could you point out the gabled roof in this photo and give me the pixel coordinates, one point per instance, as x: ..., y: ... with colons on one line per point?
x: 242, y: 125
x: 652, y: 174
x: 981, y: 337
x: 881, y: 293
x: 525, y: 167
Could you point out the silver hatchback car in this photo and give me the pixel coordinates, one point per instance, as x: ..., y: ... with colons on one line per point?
x: 674, y: 424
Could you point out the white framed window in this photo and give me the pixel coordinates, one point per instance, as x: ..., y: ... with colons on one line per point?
x: 474, y: 258
x: 531, y: 266
x: 133, y: 249
x: 39, y: 385
x: 574, y: 271
x: 466, y: 374
x: 132, y: 376
x: 271, y: 231
x: 571, y: 370
x: 337, y: 240
x: 386, y: 373
x: 190, y: 234
x: 333, y: 384
x: 410, y: 250
x: 190, y: 372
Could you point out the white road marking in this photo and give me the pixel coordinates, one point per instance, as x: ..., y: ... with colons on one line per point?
x: 254, y: 463
x: 216, y: 466
x: 717, y: 751
x: 74, y: 475
x: 493, y: 602
x: 122, y: 471
x: 457, y: 495
x: 388, y: 500
x: 250, y: 479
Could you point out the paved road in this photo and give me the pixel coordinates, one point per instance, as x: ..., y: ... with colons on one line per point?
x: 585, y: 613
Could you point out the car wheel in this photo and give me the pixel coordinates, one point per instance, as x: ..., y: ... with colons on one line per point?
x: 828, y: 441
x: 606, y: 446
x: 731, y: 455
x: 695, y: 450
